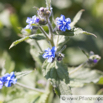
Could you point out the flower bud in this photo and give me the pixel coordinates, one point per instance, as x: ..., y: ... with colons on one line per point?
x: 43, y: 12
x: 42, y: 22
x: 93, y: 59
x: 60, y: 56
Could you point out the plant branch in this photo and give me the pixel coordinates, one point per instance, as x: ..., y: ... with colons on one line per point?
x: 77, y: 68
x: 34, y: 89
x: 42, y: 30
x: 50, y: 32
x: 38, y: 46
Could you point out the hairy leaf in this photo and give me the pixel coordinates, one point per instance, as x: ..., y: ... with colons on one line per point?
x: 34, y: 36
x: 57, y: 73
x: 76, y: 18
x: 84, y: 76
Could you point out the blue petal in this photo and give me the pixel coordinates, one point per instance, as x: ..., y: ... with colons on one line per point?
x: 62, y: 28
x: 50, y: 59
x: 47, y: 50
x: 68, y: 20
x: 1, y: 84
x: 68, y: 27
x: 8, y: 84
x: 28, y: 20
x: 14, y: 81
x: 28, y: 27
x: 62, y: 17
x: 54, y: 49
x: 45, y: 55
x: 12, y: 74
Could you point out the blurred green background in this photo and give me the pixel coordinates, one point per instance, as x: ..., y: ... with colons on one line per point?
x: 13, y: 14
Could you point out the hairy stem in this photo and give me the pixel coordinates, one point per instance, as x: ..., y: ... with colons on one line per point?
x: 42, y: 30
x: 77, y: 68
x: 34, y: 89
x: 50, y: 32
x: 38, y: 46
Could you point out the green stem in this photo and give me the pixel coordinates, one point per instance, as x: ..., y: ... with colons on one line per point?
x: 76, y: 69
x: 50, y: 33
x: 38, y: 46
x: 42, y: 30
x: 34, y: 89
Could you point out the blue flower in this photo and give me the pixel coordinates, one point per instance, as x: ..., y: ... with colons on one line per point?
x: 50, y: 54
x: 9, y: 79
x: 63, y: 23
x: 31, y: 21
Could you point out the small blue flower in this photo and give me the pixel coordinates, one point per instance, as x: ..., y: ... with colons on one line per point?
x: 50, y: 54
x: 31, y: 21
x: 63, y: 23
x: 9, y: 79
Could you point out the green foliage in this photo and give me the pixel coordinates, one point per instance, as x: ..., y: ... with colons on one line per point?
x: 9, y: 29
x: 33, y: 36
x: 76, y: 18
x: 57, y: 73
x: 78, y: 79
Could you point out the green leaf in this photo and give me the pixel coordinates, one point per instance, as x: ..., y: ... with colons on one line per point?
x: 18, y: 41
x: 6, y: 63
x: 34, y: 36
x: 77, y: 31
x: 57, y: 73
x: 84, y: 76
x: 61, y: 40
x: 101, y: 81
x: 76, y: 18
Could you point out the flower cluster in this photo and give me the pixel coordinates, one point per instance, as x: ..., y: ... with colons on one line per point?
x: 63, y: 23
x: 43, y: 12
x: 50, y: 54
x: 31, y: 21
x: 7, y: 80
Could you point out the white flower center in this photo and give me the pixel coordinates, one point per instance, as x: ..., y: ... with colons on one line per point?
x: 50, y: 53
x: 64, y: 22
x: 8, y: 78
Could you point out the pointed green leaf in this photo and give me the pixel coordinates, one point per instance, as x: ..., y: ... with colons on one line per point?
x: 77, y: 31
x: 18, y: 41
x: 61, y: 40
x: 34, y: 36
x: 78, y: 79
x: 76, y: 18
x: 57, y: 73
